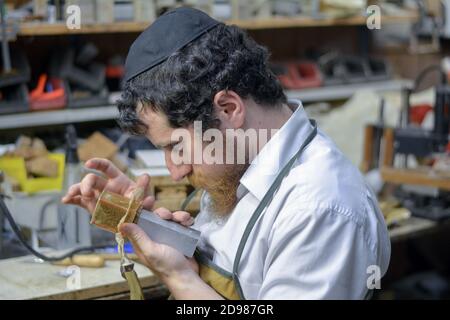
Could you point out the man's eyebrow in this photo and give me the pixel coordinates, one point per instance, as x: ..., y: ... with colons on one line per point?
x: 166, y: 144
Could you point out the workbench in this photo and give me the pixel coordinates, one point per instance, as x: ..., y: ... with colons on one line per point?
x: 411, y: 228
x: 23, y: 278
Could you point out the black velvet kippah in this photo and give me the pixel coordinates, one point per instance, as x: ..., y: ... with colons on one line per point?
x: 167, y: 34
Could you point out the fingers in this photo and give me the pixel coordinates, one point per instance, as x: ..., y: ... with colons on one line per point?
x: 73, y: 191
x: 71, y: 199
x: 164, y: 213
x: 84, y: 194
x: 90, y: 184
x: 181, y: 217
x: 138, y: 238
x: 80, y: 201
x: 148, y: 202
x: 105, y: 166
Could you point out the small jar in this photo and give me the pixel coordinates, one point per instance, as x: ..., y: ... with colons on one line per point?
x: 111, y: 208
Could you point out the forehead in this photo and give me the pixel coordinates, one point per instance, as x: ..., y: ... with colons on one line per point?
x: 158, y: 127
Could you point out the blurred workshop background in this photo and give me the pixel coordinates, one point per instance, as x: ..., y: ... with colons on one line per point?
x: 373, y: 73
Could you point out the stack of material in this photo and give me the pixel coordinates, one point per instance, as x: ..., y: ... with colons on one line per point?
x: 30, y: 168
x: 35, y: 154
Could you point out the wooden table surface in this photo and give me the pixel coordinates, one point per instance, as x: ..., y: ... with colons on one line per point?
x: 21, y: 278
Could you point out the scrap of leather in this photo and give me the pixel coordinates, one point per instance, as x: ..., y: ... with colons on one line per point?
x: 134, y: 285
x: 126, y: 266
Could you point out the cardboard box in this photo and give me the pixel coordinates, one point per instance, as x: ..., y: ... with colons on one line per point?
x: 14, y: 167
x: 97, y: 146
x: 42, y: 167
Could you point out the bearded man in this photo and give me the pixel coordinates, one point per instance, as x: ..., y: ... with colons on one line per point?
x: 293, y: 220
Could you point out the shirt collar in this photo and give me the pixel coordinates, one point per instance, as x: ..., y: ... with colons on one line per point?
x: 275, y: 154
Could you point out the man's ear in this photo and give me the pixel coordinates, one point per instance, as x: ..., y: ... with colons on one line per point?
x: 229, y: 109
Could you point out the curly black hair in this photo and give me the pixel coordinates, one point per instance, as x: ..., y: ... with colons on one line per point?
x: 183, y: 86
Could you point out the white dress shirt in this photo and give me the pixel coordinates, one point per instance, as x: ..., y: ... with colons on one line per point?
x: 319, y: 236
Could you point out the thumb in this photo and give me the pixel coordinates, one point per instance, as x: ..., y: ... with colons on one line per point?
x: 138, y: 237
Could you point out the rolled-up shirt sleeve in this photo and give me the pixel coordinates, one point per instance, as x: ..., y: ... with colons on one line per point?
x: 317, y: 254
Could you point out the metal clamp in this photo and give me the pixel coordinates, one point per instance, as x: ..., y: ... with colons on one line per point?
x: 126, y: 267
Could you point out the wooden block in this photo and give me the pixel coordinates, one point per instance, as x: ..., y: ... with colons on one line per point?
x: 418, y: 177
x: 29, y: 148
x: 23, y: 141
x: 38, y: 148
x: 42, y: 167
x: 367, y: 164
x: 23, y: 147
x: 23, y: 152
x: 97, y: 145
x: 388, y: 153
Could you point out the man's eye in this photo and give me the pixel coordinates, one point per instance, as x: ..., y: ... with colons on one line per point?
x: 177, y: 143
x: 171, y: 146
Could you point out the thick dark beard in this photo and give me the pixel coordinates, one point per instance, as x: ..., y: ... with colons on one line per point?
x: 221, y: 188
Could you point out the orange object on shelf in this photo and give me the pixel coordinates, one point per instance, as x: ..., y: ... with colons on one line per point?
x: 115, y: 71
x: 301, y: 75
x: 42, y: 100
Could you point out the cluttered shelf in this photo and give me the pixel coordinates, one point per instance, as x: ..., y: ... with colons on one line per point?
x: 47, y: 29
x: 305, y: 22
x: 109, y: 112
x: 419, y: 176
x: 345, y: 91
x: 60, y: 28
x: 44, y: 118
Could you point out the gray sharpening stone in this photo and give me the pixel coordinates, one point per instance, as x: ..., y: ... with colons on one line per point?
x: 170, y: 233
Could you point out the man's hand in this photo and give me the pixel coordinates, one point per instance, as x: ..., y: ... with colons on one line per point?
x: 177, y: 272
x: 86, y: 193
x: 167, y: 263
x: 161, y: 259
x: 182, y: 217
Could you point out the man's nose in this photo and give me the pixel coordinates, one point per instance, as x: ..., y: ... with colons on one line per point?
x: 177, y: 172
